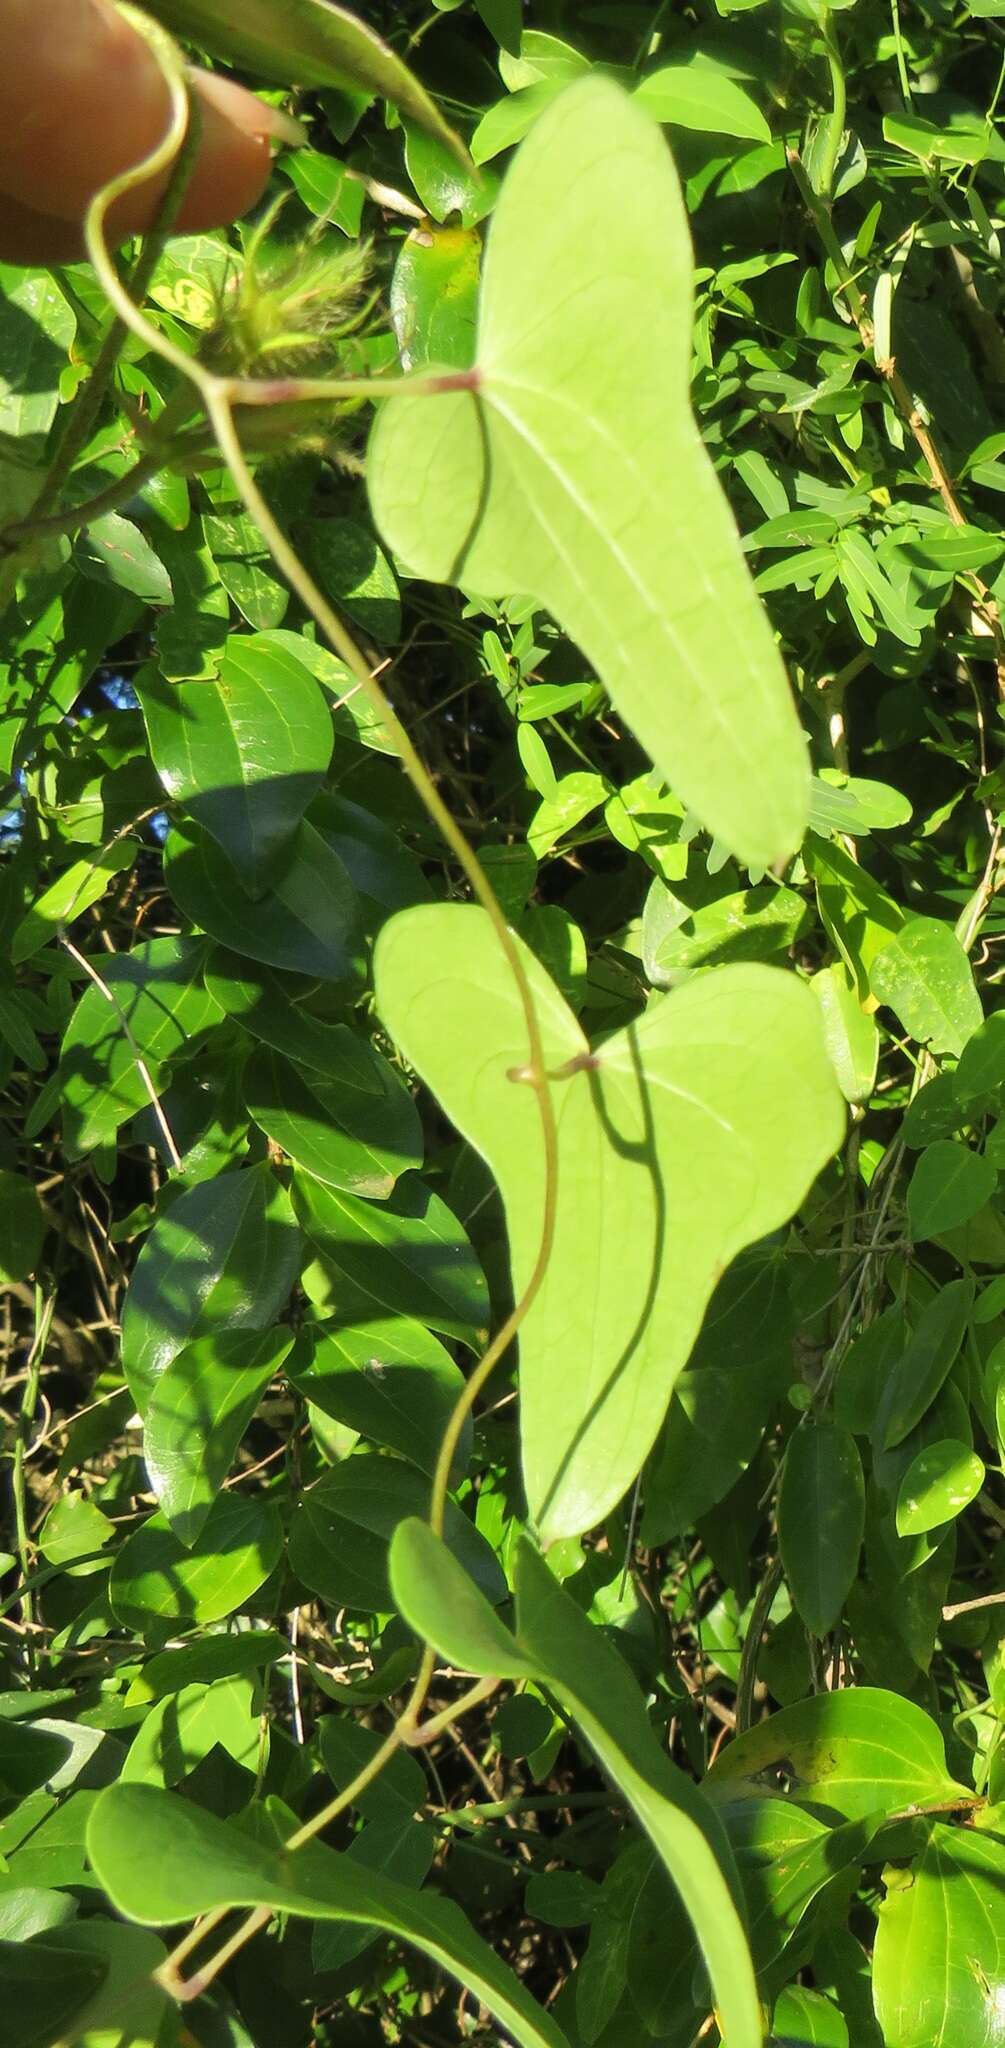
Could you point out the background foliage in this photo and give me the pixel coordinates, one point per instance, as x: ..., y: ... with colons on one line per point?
x: 251, y: 1246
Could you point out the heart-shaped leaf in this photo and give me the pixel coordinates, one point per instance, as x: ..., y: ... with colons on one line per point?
x: 306, y: 42
x: 685, y: 1137
x: 566, y: 467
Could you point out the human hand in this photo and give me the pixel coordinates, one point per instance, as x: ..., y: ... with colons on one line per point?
x: 81, y: 99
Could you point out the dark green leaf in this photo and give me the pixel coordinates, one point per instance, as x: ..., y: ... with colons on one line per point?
x: 354, y: 1127
x: 306, y: 921
x: 244, y: 755
x: 390, y: 1379
x: 408, y: 1255
x: 821, y: 1520
x: 199, y: 1408
x: 342, y: 1528
x: 223, y: 1257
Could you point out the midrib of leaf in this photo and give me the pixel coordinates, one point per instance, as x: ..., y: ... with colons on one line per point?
x: 492, y: 382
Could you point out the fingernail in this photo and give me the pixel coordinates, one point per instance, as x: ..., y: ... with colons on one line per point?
x: 244, y: 110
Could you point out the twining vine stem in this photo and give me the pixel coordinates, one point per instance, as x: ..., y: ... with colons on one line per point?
x: 219, y: 395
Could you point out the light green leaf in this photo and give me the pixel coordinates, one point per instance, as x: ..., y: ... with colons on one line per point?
x: 244, y: 755
x: 307, y: 42
x: 939, y: 1960
x: 939, y: 1483
x: 162, y: 1859
x: 686, y: 1137
x: 560, y: 474
x: 574, y: 798
x: 199, y: 1408
x: 748, y: 924
x: 541, y: 56
x: 84, y: 882
x: 806, y: 2019
x: 557, y: 1645
x: 182, y: 1727
x: 850, y: 1033
x: 858, y: 914
x: 36, y: 329
x: 949, y: 1184
x: 926, y: 978
x: 859, y: 1751
x: 510, y: 120
x: 389, y: 1378
x: 965, y: 137
x: 156, y: 1578
x: 222, y: 1257
x: 821, y: 1520
x: 443, y: 186
x: 850, y: 805
x: 113, y: 550
x: 698, y: 96
x: 327, y: 189
x: 434, y: 297
x: 74, y: 1527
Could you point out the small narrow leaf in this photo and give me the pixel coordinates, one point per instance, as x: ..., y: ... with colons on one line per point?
x: 821, y: 1520
x: 924, y: 1365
